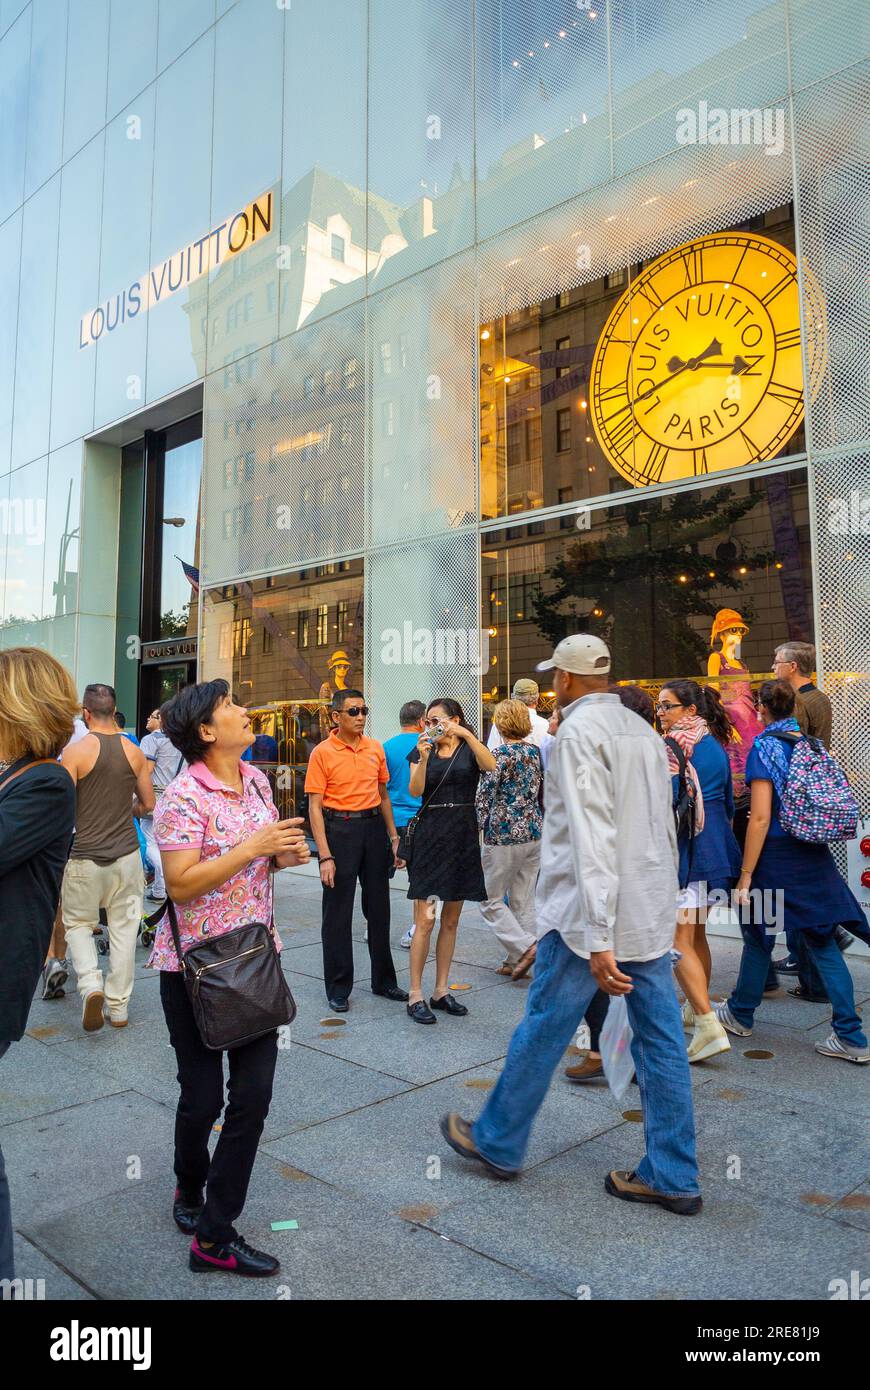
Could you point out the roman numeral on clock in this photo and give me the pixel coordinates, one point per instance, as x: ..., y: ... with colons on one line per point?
x: 699, y: 461
x: 648, y: 293
x: 623, y: 435
x: 778, y: 288
x: 789, y: 339
x: 653, y: 467
x: 694, y: 267
x: 789, y: 395
x: 752, y: 449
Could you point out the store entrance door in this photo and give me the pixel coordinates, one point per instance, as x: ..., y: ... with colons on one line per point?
x: 161, y: 681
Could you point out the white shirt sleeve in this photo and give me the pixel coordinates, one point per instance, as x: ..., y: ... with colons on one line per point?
x: 494, y: 740
x: 588, y: 791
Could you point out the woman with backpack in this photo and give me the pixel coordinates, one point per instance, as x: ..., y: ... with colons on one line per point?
x: 797, y: 875
x: 698, y: 731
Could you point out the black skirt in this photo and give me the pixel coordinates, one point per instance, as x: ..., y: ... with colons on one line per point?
x: 445, y: 862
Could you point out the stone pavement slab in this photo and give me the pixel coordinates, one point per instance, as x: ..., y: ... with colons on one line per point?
x: 42, y: 1278
x: 36, y: 1080
x: 738, y: 1247
x: 385, y: 1153
x: 126, y: 1246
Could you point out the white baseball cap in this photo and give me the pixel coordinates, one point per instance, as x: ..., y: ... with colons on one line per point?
x: 581, y: 654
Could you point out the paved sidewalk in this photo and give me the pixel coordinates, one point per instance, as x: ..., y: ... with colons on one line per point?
x: 385, y: 1210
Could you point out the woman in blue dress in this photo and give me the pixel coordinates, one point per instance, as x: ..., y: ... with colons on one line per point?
x: 795, y: 887
x: 710, y: 860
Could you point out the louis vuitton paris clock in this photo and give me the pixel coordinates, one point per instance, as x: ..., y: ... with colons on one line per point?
x: 698, y: 367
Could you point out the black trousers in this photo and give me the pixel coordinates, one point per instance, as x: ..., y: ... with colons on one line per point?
x: 201, y: 1078
x: 595, y: 1016
x: 362, y: 852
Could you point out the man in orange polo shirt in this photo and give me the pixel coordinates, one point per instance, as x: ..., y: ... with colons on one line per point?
x: 353, y: 827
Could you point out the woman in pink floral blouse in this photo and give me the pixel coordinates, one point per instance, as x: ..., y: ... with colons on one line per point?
x: 219, y: 835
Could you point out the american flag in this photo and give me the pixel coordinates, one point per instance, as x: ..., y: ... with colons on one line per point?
x: 191, y: 574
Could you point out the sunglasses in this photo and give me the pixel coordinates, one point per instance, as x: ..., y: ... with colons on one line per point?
x: 661, y: 708
x: 430, y: 723
x: 355, y: 710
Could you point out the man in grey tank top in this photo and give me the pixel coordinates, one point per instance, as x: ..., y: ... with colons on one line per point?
x: 113, y: 782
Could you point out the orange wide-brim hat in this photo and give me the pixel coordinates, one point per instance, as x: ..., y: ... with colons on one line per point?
x: 725, y: 618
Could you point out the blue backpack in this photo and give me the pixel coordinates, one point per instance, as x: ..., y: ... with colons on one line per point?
x: 817, y: 804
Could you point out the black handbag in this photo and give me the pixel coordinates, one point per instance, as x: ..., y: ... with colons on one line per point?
x: 237, y: 989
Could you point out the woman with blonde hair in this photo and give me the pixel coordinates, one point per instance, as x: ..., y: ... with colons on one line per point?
x: 38, y: 703
x: 509, y: 814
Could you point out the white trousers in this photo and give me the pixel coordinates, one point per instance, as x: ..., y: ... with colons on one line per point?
x: 117, y: 887
x: 511, y: 870
x: 158, y: 887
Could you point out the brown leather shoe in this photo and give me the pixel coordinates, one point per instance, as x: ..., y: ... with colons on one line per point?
x: 628, y: 1186
x: 457, y: 1132
x: 525, y: 962
x: 505, y: 968
x: 590, y: 1069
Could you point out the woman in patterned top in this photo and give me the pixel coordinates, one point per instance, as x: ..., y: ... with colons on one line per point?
x: 218, y: 833
x: 509, y: 813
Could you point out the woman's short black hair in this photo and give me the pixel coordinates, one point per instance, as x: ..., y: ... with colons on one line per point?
x: 778, y: 698
x: 182, y: 716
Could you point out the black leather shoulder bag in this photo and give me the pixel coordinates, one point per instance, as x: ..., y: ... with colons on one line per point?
x: 237, y: 989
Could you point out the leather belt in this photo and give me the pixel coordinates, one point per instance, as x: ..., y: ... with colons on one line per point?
x: 351, y: 815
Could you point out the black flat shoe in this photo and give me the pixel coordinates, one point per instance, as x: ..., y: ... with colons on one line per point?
x: 786, y: 966
x: 185, y: 1213
x: 400, y: 995
x: 421, y: 1013
x: 799, y: 993
x: 338, y: 1006
x: 449, y: 1005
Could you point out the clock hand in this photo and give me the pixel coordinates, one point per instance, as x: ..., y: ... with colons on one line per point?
x: 736, y: 367
x: 677, y: 365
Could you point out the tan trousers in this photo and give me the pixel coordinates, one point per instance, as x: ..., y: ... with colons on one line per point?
x: 117, y: 887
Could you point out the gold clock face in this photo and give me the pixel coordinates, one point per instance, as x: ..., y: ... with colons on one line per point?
x: 699, y: 365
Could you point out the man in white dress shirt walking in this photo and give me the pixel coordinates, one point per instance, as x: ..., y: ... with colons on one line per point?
x: 605, y: 909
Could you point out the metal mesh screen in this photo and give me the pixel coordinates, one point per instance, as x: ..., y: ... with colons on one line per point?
x: 832, y: 128
x: 842, y: 504
x: 283, y: 476
x: 421, y: 337
x: 422, y: 626
x: 704, y: 189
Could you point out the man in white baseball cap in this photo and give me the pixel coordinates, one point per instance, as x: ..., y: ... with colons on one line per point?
x: 605, y: 910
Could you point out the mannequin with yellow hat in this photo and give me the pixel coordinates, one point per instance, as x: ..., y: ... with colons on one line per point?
x: 339, y: 667
x: 730, y: 673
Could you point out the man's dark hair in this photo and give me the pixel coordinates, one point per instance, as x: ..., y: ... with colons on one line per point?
x: 411, y: 712
x: 182, y: 716
x: 340, y: 696
x: 99, y: 700
x: 120, y: 719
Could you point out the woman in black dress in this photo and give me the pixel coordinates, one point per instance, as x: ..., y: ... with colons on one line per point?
x: 445, y: 862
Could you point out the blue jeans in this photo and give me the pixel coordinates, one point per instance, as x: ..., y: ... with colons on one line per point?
x: 560, y: 994
x: 827, y: 959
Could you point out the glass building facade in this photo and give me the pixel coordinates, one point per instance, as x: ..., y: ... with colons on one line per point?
x: 380, y: 343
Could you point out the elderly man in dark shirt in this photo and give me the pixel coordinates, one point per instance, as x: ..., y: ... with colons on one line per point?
x: 795, y: 662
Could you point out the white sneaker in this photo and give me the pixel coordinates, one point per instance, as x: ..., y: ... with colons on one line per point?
x: 708, y: 1039
x: 688, y: 1017
x: 835, y: 1047
x: 92, y: 1011
x: 729, y: 1022
x: 405, y: 942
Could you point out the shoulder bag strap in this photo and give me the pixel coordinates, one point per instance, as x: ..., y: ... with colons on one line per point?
x: 435, y: 790
x: 38, y: 762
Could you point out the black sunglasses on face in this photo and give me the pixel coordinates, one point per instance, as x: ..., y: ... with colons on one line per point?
x: 662, y: 707
x: 355, y: 710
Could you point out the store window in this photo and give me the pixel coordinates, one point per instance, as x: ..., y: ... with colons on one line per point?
x: 338, y: 247
x: 703, y: 583
x: 257, y: 637
x: 690, y: 365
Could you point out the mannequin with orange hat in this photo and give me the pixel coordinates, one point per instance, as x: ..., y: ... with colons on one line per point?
x: 726, y: 666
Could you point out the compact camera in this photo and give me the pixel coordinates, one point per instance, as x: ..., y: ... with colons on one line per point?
x: 436, y: 732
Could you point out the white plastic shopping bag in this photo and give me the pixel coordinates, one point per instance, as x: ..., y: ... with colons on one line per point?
x: 615, y: 1046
